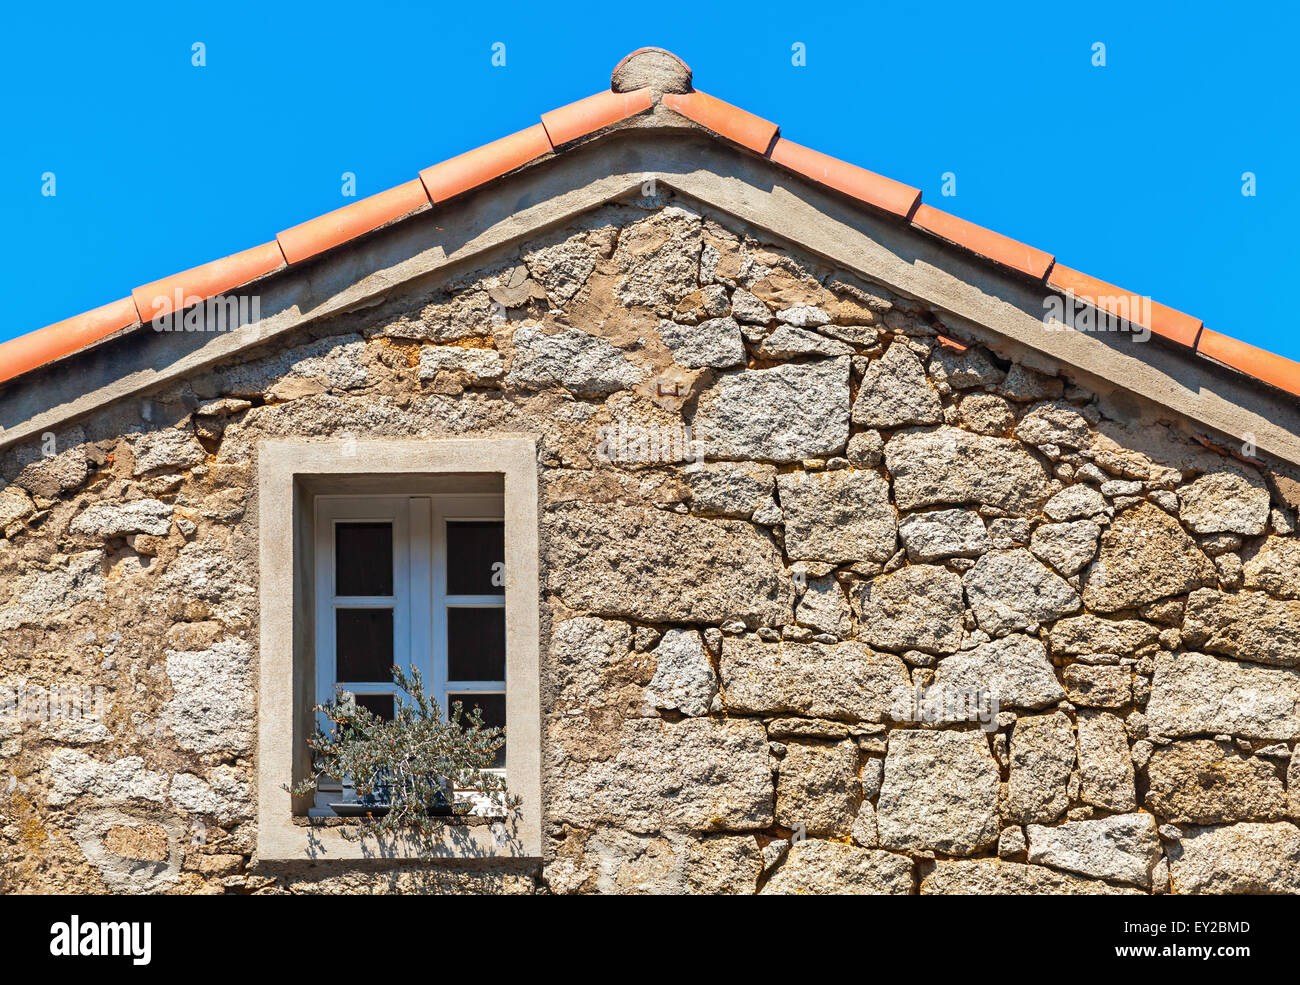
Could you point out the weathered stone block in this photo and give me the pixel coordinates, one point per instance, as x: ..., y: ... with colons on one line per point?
x: 138, y: 516
x: 655, y: 566
x: 699, y: 774
x: 824, y: 608
x: 940, y: 793
x: 1012, y: 590
x: 1088, y: 634
x: 591, y: 660
x: 1123, y: 848
x: 1240, y: 858
x: 783, y: 414
x: 894, y: 392
x: 40, y: 597
x: 1100, y: 686
x: 1105, y: 766
x: 837, y: 516
x: 1054, y: 423
x: 915, y: 608
x: 731, y: 489
x: 1208, y: 782
x: 480, y: 365
x: 1245, y: 625
x: 170, y: 449
x: 571, y: 359
x: 1196, y: 694
x: 1145, y: 556
x: 659, y: 257
x: 844, y: 681
x: 994, y: 877
x: 943, y: 534
x: 211, y: 709
x: 1226, y: 501
x: 684, y: 679
x: 949, y: 467
x: 1042, y: 758
x: 1067, y: 547
x: 1275, y: 568
x: 825, y: 868
x: 1012, y: 672
x: 74, y: 774
x: 817, y: 788
x: 715, y: 343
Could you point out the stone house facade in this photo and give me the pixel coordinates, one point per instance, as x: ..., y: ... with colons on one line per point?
x: 831, y: 564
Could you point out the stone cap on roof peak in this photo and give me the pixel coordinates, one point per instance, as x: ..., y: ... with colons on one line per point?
x: 653, y: 68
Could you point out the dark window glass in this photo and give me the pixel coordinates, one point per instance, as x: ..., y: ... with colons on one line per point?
x: 363, y: 644
x: 476, y: 644
x: 378, y: 704
x: 363, y: 559
x: 476, y: 558
x: 493, y: 707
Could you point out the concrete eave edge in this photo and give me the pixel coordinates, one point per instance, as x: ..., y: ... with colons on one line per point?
x: 993, y: 306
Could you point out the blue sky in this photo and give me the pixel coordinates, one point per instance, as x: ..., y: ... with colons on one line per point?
x: 1131, y: 172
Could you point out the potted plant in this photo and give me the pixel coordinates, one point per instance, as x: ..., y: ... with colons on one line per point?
x: 403, y: 776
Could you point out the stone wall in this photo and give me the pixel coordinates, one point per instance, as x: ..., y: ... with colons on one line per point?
x: 921, y: 619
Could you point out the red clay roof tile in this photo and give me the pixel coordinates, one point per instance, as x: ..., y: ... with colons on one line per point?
x: 953, y: 344
x: 473, y: 168
x: 1162, y: 320
x: 206, y: 280
x: 996, y: 247
x: 1273, y: 369
x: 342, y: 225
x: 594, y: 113
x: 866, y: 186
x: 27, y: 352
x: 450, y: 178
x: 724, y: 119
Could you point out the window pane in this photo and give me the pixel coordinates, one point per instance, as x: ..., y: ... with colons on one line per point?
x: 493, y: 707
x: 363, y: 559
x: 476, y: 558
x: 379, y: 704
x: 363, y: 644
x: 476, y: 644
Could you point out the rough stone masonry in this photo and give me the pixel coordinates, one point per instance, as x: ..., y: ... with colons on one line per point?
x: 817, y: 521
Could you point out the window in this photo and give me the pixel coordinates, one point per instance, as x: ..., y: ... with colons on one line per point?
x: 418, y: 552
x: 417, y: 581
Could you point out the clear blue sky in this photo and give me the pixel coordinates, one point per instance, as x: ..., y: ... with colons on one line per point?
x: 1131, y: 172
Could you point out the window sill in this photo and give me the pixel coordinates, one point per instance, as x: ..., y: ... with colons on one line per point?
x: 321, y: 818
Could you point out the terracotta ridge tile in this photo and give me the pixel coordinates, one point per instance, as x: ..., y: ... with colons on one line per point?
x: 207, y: 280
x: 1263, y: 365
x: 482, y: 164
x: 594, y: 113
x: 1162, y: 320
x: 45, y: 345
x: 722, y: 118
x: 332, y: 229
x: 866, y: 186
x: 984, y: 242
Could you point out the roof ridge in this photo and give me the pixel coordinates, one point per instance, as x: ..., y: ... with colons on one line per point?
x: 661, y: 79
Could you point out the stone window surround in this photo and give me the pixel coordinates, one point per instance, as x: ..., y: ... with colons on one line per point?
x: 290, y: 473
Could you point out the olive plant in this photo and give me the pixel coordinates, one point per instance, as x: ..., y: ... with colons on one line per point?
x: 413, y: 762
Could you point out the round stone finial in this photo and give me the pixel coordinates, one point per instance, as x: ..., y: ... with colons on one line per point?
x: 653, y: 67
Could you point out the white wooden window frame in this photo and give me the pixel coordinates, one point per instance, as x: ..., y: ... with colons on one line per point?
x: 407, y: 584
x: 419, y: 602
x: 453, y: 509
